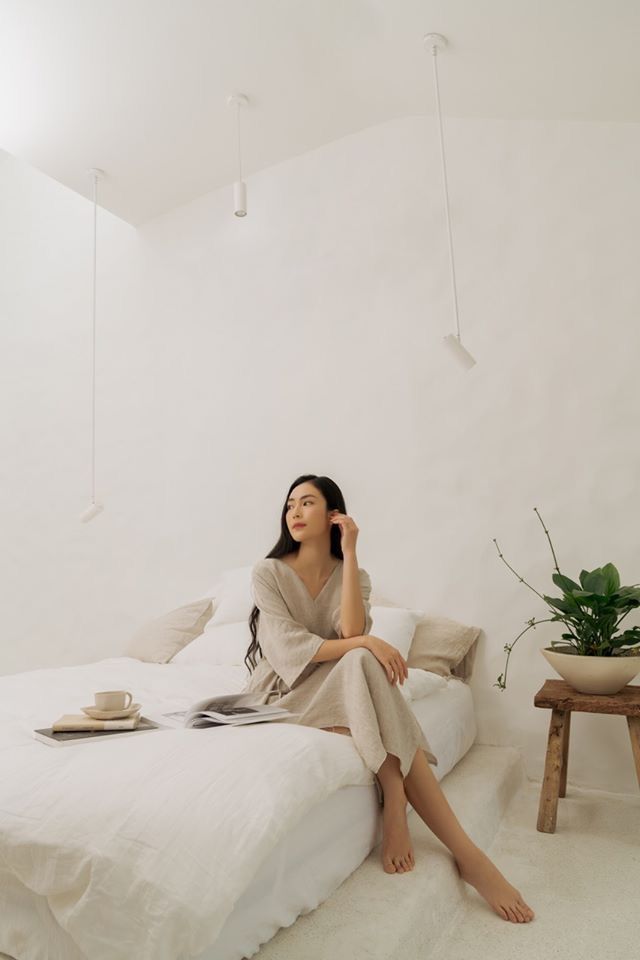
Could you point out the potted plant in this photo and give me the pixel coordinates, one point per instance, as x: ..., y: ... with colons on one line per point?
x: 593, y: 658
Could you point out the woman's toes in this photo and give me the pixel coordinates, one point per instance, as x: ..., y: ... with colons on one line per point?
x: 524, y: 909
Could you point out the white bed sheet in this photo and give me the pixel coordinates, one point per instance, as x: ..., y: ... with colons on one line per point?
x: 302, y: 870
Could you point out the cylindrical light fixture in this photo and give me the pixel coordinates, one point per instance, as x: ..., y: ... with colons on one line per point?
x: 460, y: 353
x: 240, y: 198
x: 452, y: 341
x: 95, y: 508
x: 238, y: 100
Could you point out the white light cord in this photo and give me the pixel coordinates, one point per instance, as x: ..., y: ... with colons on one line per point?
x: 239, y: 153
x: 434, y: 51
x: 93, y: 416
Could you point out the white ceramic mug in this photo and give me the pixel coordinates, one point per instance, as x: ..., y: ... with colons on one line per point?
x: 113, y: 700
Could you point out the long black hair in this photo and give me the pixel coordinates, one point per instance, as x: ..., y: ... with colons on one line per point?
x: 286, y: 544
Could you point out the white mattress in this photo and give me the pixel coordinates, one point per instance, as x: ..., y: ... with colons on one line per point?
x: 305, y: 868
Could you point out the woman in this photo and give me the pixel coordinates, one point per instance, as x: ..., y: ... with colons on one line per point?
x: 319, y: 661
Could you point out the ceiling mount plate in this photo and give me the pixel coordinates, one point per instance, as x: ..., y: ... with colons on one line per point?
x: 434, y: 40
x: 238, y: 99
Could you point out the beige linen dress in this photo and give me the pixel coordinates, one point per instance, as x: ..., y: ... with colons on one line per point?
x: 353, y: 691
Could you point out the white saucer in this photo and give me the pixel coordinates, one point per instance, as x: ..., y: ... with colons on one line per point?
x: 111, y: 714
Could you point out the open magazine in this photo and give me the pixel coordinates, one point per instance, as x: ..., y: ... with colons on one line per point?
x: 233, y: 709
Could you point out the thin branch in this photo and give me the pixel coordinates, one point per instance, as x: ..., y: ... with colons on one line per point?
x: 509, y: 647
x: 521, y: 579
x: 549, y: 539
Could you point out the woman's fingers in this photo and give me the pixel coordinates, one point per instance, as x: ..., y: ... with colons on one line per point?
x: 401, y: 669
x: 396, y: 668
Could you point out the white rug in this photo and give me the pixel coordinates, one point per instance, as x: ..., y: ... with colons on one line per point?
x: 582, y: 883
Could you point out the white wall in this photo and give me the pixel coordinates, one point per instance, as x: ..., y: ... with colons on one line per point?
x: 235, y: 354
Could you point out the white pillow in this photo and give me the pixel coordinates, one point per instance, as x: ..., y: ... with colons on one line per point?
x: 420, y: 683
x: 226, y: 643
x: 233, y: 597
x: 396, y: 625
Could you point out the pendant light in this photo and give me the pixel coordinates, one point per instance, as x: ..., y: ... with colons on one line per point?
x: 452, y: 341
x: 238, y: 100
x: 95, y: 508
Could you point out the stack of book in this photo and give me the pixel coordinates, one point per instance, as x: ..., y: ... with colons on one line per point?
x: 231, y: 710
x: 77, y: 727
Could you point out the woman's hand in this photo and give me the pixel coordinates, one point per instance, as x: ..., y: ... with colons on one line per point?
x: 348, y: 530
x: 390, y: 658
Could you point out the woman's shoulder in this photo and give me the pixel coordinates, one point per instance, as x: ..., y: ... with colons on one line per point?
x: 269, y: 568
x: 263, y: 566
x: 274, y: 563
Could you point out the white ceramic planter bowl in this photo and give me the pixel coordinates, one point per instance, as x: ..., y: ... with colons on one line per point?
x: 593, y: 674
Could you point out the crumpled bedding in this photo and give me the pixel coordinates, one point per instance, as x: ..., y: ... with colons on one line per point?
x: 142, y: 845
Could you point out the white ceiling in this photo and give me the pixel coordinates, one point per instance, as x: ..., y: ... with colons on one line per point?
x: 139, y: 87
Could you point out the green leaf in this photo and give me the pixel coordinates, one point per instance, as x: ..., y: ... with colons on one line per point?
x: 629, y: 592
x: 628, y: 637
x: 611, y: 577
x: 563, y: 604
x: 594, y: 581
x: 565, y: 583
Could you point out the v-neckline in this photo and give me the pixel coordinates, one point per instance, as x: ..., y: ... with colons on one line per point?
x: 297, y: 575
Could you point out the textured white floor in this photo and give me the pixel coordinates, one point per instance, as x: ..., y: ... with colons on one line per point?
x: 582, y: 882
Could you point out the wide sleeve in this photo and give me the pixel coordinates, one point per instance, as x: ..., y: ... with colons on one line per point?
x: 286, y: 644
x: 365, y: 590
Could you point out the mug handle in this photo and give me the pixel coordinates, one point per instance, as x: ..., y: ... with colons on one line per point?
x: 127, y: 705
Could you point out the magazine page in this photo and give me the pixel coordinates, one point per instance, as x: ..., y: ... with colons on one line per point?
x: 234, y: 709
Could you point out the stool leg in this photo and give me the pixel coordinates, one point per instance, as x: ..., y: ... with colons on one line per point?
x: 634, y: 734
x: 566, y: 729
x: 548, y: 808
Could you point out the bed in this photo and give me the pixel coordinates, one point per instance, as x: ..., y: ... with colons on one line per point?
x: 175, y: 844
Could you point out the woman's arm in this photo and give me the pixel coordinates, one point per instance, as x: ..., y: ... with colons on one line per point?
x: 352, y: 612
x: 335, y: 649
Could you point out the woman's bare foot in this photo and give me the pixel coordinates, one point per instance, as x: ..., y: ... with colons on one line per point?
x: 478, y: 870
x: 397, y: 852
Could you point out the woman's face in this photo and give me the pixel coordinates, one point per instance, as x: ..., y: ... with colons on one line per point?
x: 307, y: 506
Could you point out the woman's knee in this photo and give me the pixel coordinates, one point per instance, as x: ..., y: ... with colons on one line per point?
x: 360, y: 655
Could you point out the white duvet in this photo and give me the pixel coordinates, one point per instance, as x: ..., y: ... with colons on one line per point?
x: 143, y: 844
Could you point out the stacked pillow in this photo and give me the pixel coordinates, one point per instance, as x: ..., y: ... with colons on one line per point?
x: 226, y: 637
x: 158, y: 641
x: 439, y: 644
x: 216, y: 631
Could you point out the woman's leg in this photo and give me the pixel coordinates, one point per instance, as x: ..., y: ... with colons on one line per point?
x: 421, y: 788
x: 425, y: 795
x: 397, y: 853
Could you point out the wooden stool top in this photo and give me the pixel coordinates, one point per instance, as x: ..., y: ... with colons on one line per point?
x: 560, y: 695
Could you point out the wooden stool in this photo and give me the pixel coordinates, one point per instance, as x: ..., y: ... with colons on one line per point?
x: 563, y: 699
